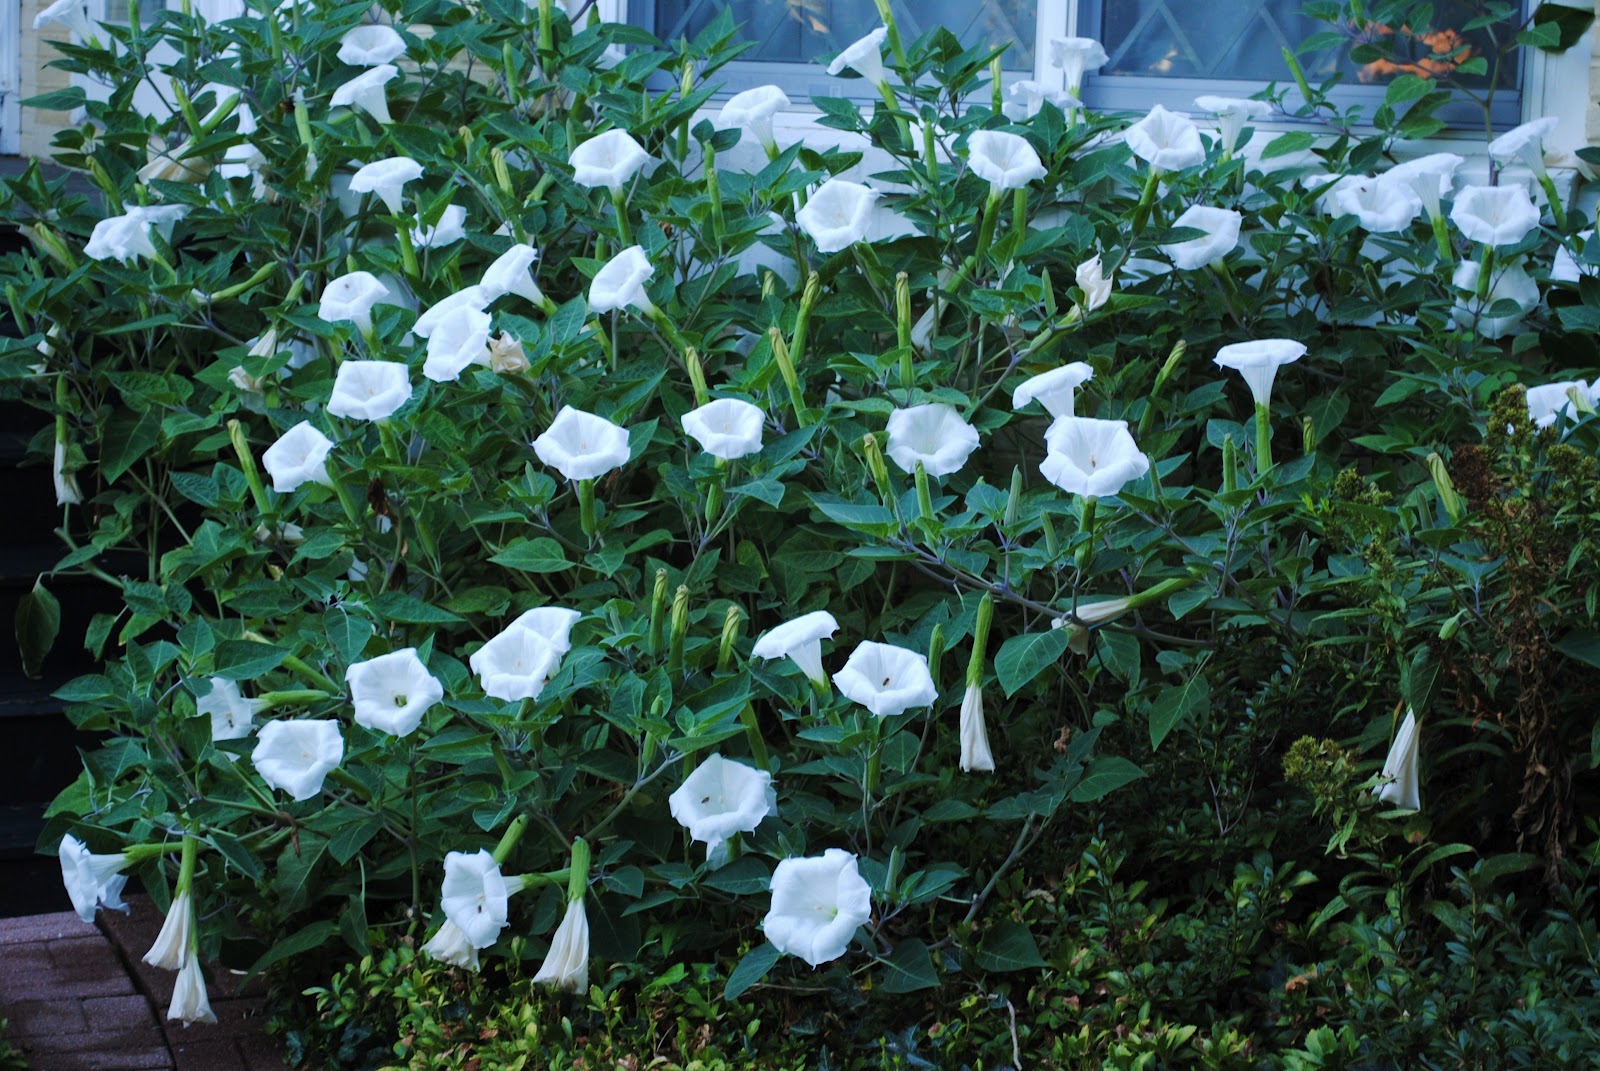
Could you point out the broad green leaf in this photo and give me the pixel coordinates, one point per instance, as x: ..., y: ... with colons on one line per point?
x: 753, y: 967
x: 1178, y: 703
x: 1009, y: 946
x: 541, y: 555
x: 1024, y: 657
x: 38, y: 621
x: 1104, y: 776
x: 909, y: 968
x: 245, y: 660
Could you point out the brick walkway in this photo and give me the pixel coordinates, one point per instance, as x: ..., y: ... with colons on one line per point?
x: 80, y: 998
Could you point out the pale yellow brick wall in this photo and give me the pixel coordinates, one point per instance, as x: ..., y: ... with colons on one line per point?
x: 38, y: 127
x: 1592, y: 118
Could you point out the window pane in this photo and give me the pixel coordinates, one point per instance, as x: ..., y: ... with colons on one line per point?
x: 800, y: 31
x: 1243, y: 39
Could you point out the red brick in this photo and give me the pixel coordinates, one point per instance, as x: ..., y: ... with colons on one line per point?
x: 32, y: 928
x: 24, y: 971
x: 35, y: 1018
x: 139, y: 1040
x: 214, y: 1054
x: 152, y: 1058
x: 262, y: 1053
x: 117, y: 1013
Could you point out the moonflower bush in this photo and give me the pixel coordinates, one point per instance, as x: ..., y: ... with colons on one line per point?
x: 791, y: 587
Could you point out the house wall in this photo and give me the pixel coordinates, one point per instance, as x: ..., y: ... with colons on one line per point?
x: 38, y: 127
x: 1592, y: 118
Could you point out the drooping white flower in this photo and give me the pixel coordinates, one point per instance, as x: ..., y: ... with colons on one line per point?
x: 1402, y: 767
x: 176, y: 938
x: 620, y: 283
x: 469, y: 297
x: 369, y: 390
x: 1005, y: 161
x: 351, y: 297
x: 515, y: 665
x: 450, y: 945
x: 475, y: 896
x: 582, y: 446
x: 189, y: 1000
x: 608, y: 159
x: 370, y: 45
x: 864, y: 56
x: 1258, y: 362
x: 299, y: 456
x: 818, y: 903
x: 92, y: 880
x: 1494, y: 215
x: 975, y: 753
x: 1549, y: 401
x: 452, y: 227
x: 512, y: 273
x: 838, y: 215
x: 127, y: 237
x: 458, y: 340
x: 1510, y: 282
x: 1525, y: 144
x: 800, y: 640
x: 232, y: 715
x: 933, y: 434
x: 1380, y: 205
x: 1094, y: 282
x: 1054, y: 389
x: 1221, y: 226
x: 392, y: 692
x: 1091, y: 457
x: 1166, y: 141
x: 753, y: 109
x: 1232, y: 113
x: 1076, y: 56
x: 386, y: 178
x: 886, y: 679
x: 726, y: 427
x: 71, y: 14
x: 366, y: 92
x: 1430, y: 177
x: 566, y: 965
x: 506, y: 355
x: 68, y: 493
x: 1024, y: 98
x: 296, y: 754
x: 721, y: 798
x: 1565, y: 268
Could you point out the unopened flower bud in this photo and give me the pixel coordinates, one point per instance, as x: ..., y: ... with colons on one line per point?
x: 680, y: 629
x: 1230, y: 466
x: 1453, y: 506
x: 1014, y: 499
x: 731, y: 623
x: 876, y: 466
x: 697, y: 376
x: 506, y: 355
x: 658, y: 610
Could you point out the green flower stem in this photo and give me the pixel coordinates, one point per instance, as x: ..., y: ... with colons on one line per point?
x: 874, y: 762
x: 1558, y: 211
x: 1263, y: 438
x: 791, y: 380
x: 980, y: 640
x: 191, y: 853
x: 1299, y: 74
x: 1230, y: 466
x: 348, y: 503
x: 714, y: 192
x: 1157, y: 592
x: 578, y: 873
x: 586, y: 511
x: 620, y: 203
x: 261, y: 275
x: 296, y: 665
x: 802, y: 319
x: 1085, y: 554
x: 678, y: 630
x: 714, y: 493
x: 408, y: 252
x: 1147, y: 197
x: 247, y: 463
x: 930, y: 155
x: 269, y: 700
x: 887, y: 94
x: 752, y: 734
x: 547, y: 27
x: 886, y: 14
x: 508, y: 839
x: 138, y: 853
x: 1485, y: 270
x: 1019, y: 210
x: 1167, y: 369
x: 986, y: 225
x: 1441, y: 238
x: 924, y: 497
x: 658, y: 612
x: 936, y: 649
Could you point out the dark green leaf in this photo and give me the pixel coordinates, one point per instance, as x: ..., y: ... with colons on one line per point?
x: 38, y: 621
x: 1024, y: 657
x: 909, y: 968
x: 1009, y: 946
x: 751, y: 969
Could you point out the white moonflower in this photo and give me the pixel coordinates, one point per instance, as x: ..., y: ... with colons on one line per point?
x: 933, y: 434
x: 1258, y: 362
x: 351, y: 297
x: 92, y: 880
x: 864, y: 56
x: 1075, y: 56
x: 726, y: 427
x: 1005, y: 161
x: 838, y: 215
x: 387, y: 179
x: 1166, y: 141
x: 582, y: 446
x: 721, y: 798
x: 392, y: 692
x: 609, y: 159
x: 801, y: 641
x: 886, y: 679
x: 370, y: 45
x: 299, y: 456
x: 297, y: 754
x: 1403, y: 790
x: 369, y: 390
x: 818, y: 903
x: 1221, y: 226
x: 619, y: 284
x: 753, y: 110
x: 1494, y: 215
x: 457, y: 340
x: 366, y: 92
x: 1090, y: 457
x: 1055, y: 389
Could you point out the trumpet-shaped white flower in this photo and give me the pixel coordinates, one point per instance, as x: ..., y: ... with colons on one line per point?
x: 1075, y: 56
x: 800, y: 640
x: 753, y: 109
x: 1005, y: 161
x: 1091, y: 457
x: 1565, y: 268
x: 553, y: 624
x: 1380, y: 205
x: 727, y: 428
x: 457, y: 340
x: 189, y: 1000
x: 1222, y: 236
x: 838, y: 215
x: 475, y: 896
x: 512, y: 273
x: 582, y: 446
x: 1232, y: 113
x: 392, y: 692
x: 566, y: 965
x: 1401, y: 767
x: 515, y: 665
x: 371, y: 45
x: 1096, y: 285
x: 1509, y: 282
x: 369, y: 390
x: 818, y: 903
x: 886, y: 679
x: 71, y: 14
x: 296, y: 755
x: 299, y: 456
x: 721, y: 798
x: 450, y: 945
x: 351, y: 297
x: 609, y: 159
x: 933, y: 434
x: 1258, y: 362
x: 975, y: 753
x: 232, y: 715
x: 1549, y: 401
x: 366, y: 91
x: 470, y: 297
x: 173, y: 943
x: 386, y: 178
x: 127, y: 237
x: 92, y: 880
x: 1024, y: 98
x: 1054, y: 389
x: 864, y: 56
x: 620, y: 283
x: 1166, y: 141
x: 1494, y: 215
x: 452, y: 227
x: 1430, y: 177
x: 1525, y: 144
x: 68, y: 493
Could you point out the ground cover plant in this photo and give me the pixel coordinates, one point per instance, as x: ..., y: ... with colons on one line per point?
x: 1094, y: 595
